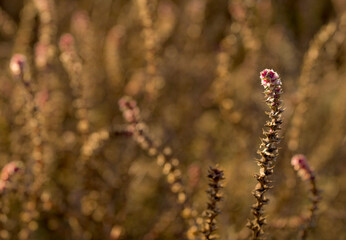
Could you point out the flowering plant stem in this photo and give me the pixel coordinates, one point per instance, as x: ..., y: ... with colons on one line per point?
x: 268, y: 149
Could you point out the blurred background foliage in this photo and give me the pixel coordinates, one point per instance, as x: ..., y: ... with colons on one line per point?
x: 194, y: 71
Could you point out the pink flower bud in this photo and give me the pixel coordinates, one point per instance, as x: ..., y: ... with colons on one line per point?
x: 269, y: 78
x: 130, y: 110
x: 66, y: 42
x: 17, y: 64
x: 9, y: 170
x: 300, y: 164
x: 7, y: 173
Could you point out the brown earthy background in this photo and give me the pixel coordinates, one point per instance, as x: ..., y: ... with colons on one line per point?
x: 84, y: 171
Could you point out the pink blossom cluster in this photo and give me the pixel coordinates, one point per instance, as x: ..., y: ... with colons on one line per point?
x: 66, y: 42
x: 271, y: 82
x: 300, y: 164
x: 7, y: 172
x: 17, y: 64
x: 270, y: 78
x: 130, y: 110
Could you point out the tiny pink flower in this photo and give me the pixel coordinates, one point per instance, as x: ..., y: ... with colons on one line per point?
x: 66, y: 42
x: 17, y: 64
x: 264, y: 73
x: 300, y: 164
x: 270, y: 79
x: 130, y: 110
x: 9, y: 170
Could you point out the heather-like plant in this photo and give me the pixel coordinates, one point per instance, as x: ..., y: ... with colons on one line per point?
x: 7, y: 173
x: 164, y: 157
x: 268, y: 150
x: 305, y: 80
x: 301, y: 165
x: 19, y: 69
x: 215, y: 176
x: 70, y: 172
